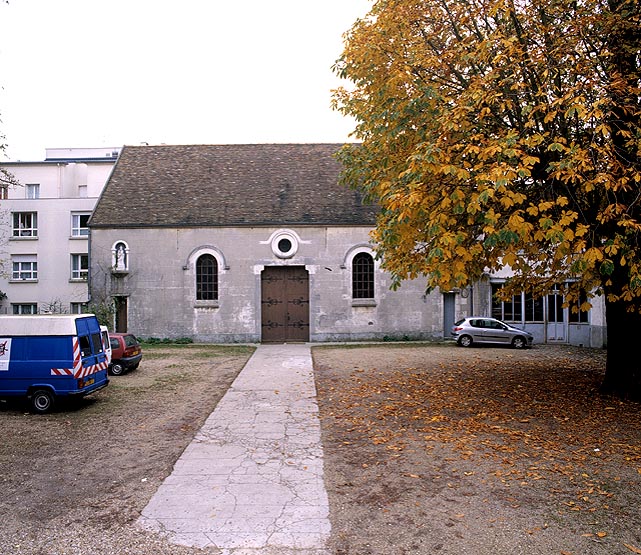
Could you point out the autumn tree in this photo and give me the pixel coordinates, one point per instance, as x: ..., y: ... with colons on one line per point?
x: 7, y: 179
x: 505, y: 132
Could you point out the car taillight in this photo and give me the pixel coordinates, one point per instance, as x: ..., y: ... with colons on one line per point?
x: 457, y: 328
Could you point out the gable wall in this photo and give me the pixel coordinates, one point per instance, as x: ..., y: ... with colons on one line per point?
x: 160, y: 285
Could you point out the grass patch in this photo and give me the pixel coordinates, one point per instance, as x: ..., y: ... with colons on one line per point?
x: 156, y: 350
x: 166, y: 341
x: 216, y: 353
x: 171, y: 380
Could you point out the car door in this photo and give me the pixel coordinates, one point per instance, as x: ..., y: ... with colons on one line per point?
x: 477, y: 330
x: 496, y: 332
x: 503, y: 333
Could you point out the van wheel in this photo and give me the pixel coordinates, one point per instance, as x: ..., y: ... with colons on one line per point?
x: 465, y: 341
x: 117, y: 369
x: 42, y: 401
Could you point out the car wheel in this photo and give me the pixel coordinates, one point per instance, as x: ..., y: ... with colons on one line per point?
x: 465, y: 341
x: 42, y: 401
x: 117, y: 369
x: 519, y: 342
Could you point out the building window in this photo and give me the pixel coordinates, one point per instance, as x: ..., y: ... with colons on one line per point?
x: 27, y: 308
x: 510, y: 310
x: 24, y: 268
x: 533, y: 309
x: 520, y: 308
x: 25, y: 224
x: 206, y: 278
x: 79, y: 308
x: 363, y: 276
x: 576, y: 315
x: 284, y: 244
x: 32, y: 190
x: 4, y: 192
x: 79, y: 266
x: 79, y: 227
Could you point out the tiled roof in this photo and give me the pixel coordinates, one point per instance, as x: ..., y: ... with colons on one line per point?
x: 229, y: 185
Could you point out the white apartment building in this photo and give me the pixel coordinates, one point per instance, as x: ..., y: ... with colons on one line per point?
x: 44, y: 246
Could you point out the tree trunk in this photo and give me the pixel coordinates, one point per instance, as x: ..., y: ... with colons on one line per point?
x: 623, y: 366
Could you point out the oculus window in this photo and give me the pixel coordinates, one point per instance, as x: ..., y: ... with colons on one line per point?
x: 284, y: 244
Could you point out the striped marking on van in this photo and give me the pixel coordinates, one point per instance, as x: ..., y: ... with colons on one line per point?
x: 78, y: 371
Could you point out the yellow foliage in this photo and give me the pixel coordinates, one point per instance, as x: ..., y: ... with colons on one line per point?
x: 493, y: 131
x: 593, y: 255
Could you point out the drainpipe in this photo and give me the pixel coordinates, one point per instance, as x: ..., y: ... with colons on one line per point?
x: 89, y: 266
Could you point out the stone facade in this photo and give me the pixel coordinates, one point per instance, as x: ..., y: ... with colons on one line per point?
x: 159, y: 285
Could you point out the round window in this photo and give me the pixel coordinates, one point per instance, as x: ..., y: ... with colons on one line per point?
x: 284, y: 245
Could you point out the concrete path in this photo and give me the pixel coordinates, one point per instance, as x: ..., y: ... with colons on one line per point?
x: 251, y: 482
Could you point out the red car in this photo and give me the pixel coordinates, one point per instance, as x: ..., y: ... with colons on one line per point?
x: 126, y: 353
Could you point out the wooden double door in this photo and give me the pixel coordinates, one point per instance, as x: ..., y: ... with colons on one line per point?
x: 285, y: 304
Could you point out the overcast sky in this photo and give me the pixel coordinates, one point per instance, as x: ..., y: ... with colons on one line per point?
x: 84, y: 73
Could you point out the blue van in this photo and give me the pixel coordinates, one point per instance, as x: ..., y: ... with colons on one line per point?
x: 43, y: 357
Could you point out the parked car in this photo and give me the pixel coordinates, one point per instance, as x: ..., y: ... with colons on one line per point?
x: 469, y: 331
x: 126, y: 352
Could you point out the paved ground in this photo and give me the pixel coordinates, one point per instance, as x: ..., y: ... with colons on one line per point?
x: 252, y: 479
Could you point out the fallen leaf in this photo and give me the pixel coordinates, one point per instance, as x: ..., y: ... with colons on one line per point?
x: 633, y: 549
x: 602, y: 534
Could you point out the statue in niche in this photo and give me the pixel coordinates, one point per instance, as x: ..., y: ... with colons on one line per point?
x: 120, y: 257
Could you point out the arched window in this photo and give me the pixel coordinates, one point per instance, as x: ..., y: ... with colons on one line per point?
x: 206, y: 278
x: 363, y: 276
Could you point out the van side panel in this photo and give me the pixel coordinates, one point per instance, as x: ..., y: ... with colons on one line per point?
x: 67, y: 364
x: 31, y: 361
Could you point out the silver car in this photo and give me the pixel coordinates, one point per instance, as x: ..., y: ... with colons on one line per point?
x: 477, y: 329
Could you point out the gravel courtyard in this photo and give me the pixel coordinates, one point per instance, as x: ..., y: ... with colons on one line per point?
x: 428, y: 449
